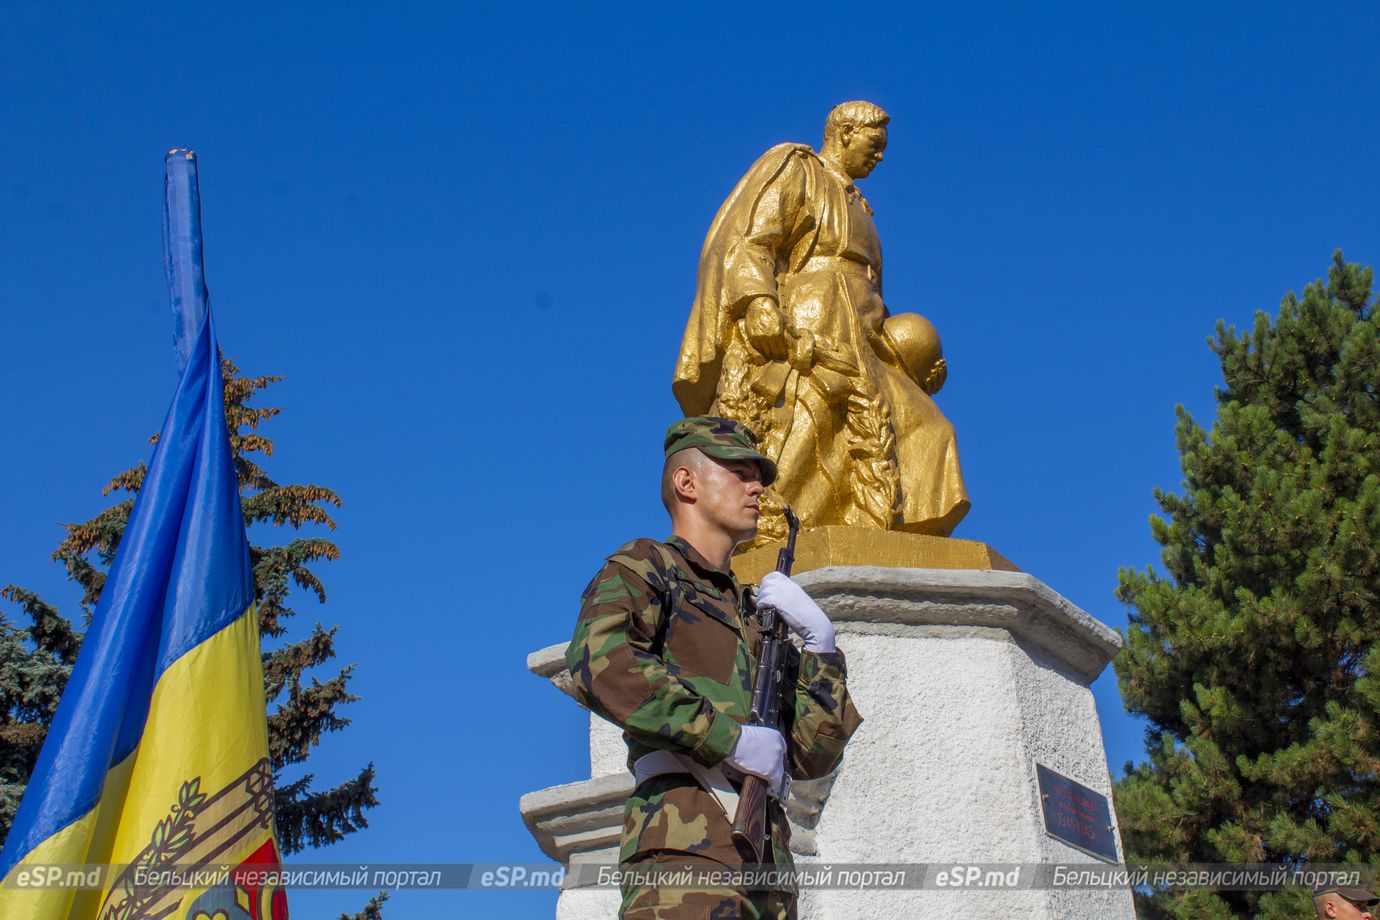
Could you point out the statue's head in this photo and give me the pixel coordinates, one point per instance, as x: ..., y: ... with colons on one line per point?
x: 855, y: 137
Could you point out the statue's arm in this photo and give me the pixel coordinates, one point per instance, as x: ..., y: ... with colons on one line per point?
x: 754, y: 256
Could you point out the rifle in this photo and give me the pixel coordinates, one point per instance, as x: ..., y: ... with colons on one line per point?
x: 750, y: 820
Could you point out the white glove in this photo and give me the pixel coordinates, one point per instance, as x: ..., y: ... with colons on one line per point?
x: 801, y: 614
x: 760, y: 751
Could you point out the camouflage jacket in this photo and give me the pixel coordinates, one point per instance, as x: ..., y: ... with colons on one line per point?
x: 683, y: 683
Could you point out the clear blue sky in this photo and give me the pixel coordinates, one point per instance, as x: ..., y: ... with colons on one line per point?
x: 468, y: 238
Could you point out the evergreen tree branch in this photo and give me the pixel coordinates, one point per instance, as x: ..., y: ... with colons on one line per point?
x: 316, y: 819
x: 372, y: 911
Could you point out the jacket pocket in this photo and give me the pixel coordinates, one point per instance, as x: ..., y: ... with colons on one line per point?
x: 703, y: 639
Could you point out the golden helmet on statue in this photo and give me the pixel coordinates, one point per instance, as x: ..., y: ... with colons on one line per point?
x: 917, y: 343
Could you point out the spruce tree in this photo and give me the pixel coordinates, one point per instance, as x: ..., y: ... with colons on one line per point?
x: 36, y: 660
x: 1255, y: 656
x: 34, y: 665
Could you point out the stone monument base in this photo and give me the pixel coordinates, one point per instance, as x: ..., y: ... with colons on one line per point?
x: 967, y: 680
x: 820, y: 547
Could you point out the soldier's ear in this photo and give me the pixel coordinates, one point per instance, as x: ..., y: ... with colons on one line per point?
x: 684, y: 484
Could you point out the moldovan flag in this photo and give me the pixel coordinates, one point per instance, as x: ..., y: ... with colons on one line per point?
x: 154, y: 784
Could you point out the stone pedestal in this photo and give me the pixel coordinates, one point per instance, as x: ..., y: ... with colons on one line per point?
x: 966, y: 679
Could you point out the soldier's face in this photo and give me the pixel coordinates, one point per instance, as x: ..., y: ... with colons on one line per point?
x: 728, y: 494
x: 862, y: 151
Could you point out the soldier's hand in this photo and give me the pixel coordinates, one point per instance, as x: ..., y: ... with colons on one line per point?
x: 760, y: 751
x: 766, y: 331
x: 801, y: 614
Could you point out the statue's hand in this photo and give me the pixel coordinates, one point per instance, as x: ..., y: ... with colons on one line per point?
x: 766, y: 330
x: 803, y: 352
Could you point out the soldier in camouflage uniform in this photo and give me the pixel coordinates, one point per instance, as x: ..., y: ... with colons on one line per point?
x: 662, y: 649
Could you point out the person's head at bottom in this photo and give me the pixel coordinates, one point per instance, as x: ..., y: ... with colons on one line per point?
x: 711, y: 483
x: 1344, y: 902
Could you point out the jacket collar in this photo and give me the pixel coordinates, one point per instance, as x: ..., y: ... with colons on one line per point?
x: 697, y: 562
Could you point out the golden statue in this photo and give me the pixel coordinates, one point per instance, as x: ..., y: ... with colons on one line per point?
x: 789, y: 335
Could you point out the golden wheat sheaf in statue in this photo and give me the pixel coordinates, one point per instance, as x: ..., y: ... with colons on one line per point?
x: 789, y: 334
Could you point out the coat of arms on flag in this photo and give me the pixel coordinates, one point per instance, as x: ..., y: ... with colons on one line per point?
x: 196, y: 840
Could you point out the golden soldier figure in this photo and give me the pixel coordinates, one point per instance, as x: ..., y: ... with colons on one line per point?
x: 789, y: 335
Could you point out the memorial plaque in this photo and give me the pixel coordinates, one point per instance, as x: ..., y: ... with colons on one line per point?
x: 1076, y: 815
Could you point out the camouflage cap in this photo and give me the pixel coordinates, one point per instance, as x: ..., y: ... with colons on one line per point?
x: 1353, y: 893
x: 721, y: 438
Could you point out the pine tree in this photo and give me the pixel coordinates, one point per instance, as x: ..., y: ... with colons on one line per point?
x: 36, y: 661
x: 1256, y: 656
